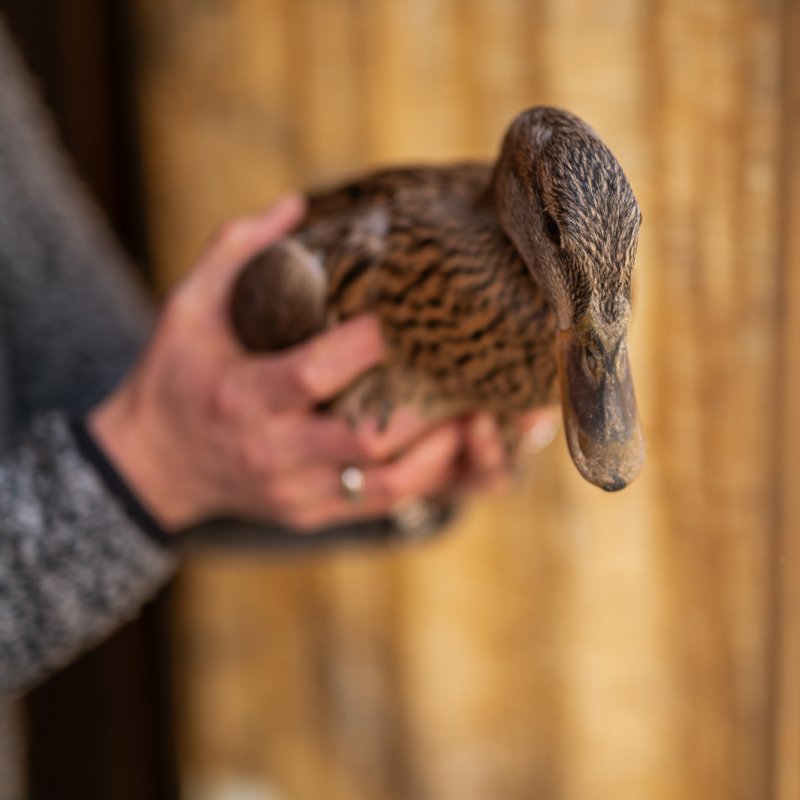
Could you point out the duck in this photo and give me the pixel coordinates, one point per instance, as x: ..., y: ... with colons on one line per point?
x: 500, y: 287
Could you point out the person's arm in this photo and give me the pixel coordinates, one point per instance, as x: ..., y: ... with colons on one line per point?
x: 73, y: 564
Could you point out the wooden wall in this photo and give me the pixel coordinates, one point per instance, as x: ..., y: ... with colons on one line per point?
x: 559, y: 643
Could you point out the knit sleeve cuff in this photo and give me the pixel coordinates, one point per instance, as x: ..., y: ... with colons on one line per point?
x: 131, y: 505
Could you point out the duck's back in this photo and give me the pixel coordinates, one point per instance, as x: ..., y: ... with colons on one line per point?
x: 387, y: 186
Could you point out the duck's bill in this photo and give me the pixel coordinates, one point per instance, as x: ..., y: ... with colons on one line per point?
x: 599, y: 405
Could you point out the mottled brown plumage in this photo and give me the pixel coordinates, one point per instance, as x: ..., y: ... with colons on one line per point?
x: 490, y: 282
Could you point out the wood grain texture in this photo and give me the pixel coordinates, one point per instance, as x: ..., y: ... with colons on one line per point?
x: 785, y: 710
x: 558, y: 642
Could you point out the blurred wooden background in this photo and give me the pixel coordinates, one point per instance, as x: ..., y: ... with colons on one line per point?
x: 558, y: 643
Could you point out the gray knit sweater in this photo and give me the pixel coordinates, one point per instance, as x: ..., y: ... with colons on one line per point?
x: 73, y: 564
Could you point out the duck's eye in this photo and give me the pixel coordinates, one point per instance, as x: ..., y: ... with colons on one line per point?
x: 552, y: 230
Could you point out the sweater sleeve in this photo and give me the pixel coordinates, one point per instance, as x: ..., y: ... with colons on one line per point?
x: 73, y: 564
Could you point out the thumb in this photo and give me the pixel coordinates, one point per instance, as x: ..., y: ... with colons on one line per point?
x: 321, y: 367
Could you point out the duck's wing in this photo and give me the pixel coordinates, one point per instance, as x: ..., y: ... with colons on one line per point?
x: 351, y: 227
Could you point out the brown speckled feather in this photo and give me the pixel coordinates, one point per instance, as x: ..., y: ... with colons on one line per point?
x: 466, y: 324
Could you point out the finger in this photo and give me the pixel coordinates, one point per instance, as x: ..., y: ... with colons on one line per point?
x: 470, y: 481
x: 337, y: 512
x: 405, y: 428
x: 239, y: 241
x: 320, y: 368
x: 484, y: 450
x: 421, y: 472
x: 539, y: 428
x: 313, y: 497
x: 303, y: 439
x: 485, y: 459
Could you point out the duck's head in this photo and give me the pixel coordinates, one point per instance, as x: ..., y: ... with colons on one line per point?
x: 566, y: 205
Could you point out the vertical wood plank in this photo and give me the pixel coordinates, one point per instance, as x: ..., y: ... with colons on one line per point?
x: 721, y: 571
x: 718, y: 154
x: 785, y: 778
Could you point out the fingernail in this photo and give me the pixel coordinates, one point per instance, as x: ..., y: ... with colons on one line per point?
x: 484, y: 426
x: 291, y: 202
x: 540, y: 435
x: 368, y: 332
